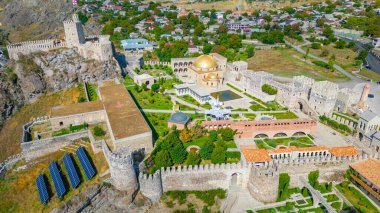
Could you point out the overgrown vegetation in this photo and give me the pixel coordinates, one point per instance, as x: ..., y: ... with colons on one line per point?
x: 334, y: 124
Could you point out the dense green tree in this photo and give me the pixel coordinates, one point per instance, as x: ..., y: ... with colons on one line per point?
x: 213, y: 135
x: 250, y: 51
x: 340, y: 44
x: 362, y: 55
x: 218, y: 155
x: 313, y: 178
x: 283, y: 187
x: 193, y: 158
x: 227, y: 133
x: 155, y: 87
x: 178, y: 153
x: 163, y: 159
x: 206, y: 150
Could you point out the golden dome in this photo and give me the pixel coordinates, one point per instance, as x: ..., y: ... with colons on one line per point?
x: 205, y: 62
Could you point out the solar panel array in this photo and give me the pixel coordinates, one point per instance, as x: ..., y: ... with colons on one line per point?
x: 42, y: 190
x: 72, y: 172
x: 57, y: 179
x: 85, y: 162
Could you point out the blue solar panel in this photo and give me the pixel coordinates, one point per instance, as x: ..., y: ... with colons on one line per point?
x: 42, y: 190
x: 57, y: 180
x: 83, y: 159
x: 72, y: 172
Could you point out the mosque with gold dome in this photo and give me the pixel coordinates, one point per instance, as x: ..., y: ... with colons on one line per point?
x: 199, y: 75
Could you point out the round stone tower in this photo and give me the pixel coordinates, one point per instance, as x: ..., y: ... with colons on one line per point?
x: 122, y: 171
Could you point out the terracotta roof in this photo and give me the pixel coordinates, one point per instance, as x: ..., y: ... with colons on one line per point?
x: 74, y: 109
x: 344, y: 151
x: 256, y: 155
x: 279, y: 150
x: 369, y: 169
x: 308, y: 149
x: 123, y: 115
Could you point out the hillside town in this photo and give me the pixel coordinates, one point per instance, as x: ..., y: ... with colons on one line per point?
x: 140, y: 106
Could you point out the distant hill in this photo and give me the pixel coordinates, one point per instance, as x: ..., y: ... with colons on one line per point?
x: 34, y: 19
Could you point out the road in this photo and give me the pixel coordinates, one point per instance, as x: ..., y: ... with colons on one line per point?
x: 371, y: 59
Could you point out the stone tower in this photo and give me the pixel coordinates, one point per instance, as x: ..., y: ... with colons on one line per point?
x: 362, y: 104
x: 122, y: 171
x: 74, y: 34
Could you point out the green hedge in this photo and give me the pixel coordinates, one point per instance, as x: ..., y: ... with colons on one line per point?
x: 235, y: 154
x: 335, y: 124
x: 269, y: 89
x: 322, y: 64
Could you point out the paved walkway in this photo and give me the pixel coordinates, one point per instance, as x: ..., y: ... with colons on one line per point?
x: 239, y: 200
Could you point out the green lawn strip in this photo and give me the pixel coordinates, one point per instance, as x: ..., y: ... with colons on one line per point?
x: 240, y: 109
x: 346, y: 116
x: 358, y: 200
x: 91, y: 90
x: 197, y: 142
x: 235, y: 88
x: 292, y: 141
x: 250, y: 116
x: 230, y: 144
x: 282, y: 115
x: 331, y: 198
x: 191, y: 100
x: 336, y: 205
x: 151, y: 100
x: 158, y: 122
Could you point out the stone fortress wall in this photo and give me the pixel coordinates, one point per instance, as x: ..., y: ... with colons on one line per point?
x: 97, y: 47
x: 261, y: 179
x: 121, y: 169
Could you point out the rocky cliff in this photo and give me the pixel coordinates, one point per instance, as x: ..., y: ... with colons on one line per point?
x: 43, y: 72
x: 34, y: 19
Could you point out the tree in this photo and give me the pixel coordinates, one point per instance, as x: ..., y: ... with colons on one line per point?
x: 197, y: 131
x: 305, y: 192
x: 227, y: 134
x: 144, y: 87
x: 340, y: 44
x: 328, y: 32
x: 178, y: 153
x: 362, y: 55
x: 320, y: 22
x: 98, y: 131
x: 222, y: 29
x: 213, y: 135
x: 185, y: 135
x: 218, y: 155
x: 283, y: 187
x: 313, y: 178
x: 307, y: 54
x: 193, y: 158
x: 316, y: 45
x: 163, y: 159
x: 206, y: 151
x: 155, y: 87
x: 250, y: 51
x: 170, y: 140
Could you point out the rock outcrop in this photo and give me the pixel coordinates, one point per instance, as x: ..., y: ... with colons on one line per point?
x: 45, y: 72
x: 34, y: 19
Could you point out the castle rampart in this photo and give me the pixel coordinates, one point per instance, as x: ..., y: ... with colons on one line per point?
x: 121, y: 169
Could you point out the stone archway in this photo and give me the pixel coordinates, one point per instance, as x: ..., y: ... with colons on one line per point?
x: 236, y: 179
x: 300, y: 106
x: 262, y: 136
x: 299, y: 134
x: 280, y: 134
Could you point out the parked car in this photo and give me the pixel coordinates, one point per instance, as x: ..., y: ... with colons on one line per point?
x: 371, y: 95
x: 378, y: 82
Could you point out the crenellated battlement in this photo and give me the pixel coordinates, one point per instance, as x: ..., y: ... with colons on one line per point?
x: 205, y: 168
x: 74, y: 38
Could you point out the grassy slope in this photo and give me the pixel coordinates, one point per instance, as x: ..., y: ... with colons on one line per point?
x: 11, y: 133
x: 289, y: 63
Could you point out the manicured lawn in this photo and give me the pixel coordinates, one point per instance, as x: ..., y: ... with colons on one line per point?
x: 151, y: 100
x: 289, y: 63
x: 230, y: 144
x: 128, y: 81
x: 184, y: 107
x: 283, y: 115
x: 250, y: 116
x: 331, y: 198
x: 336, y: 205
x: 191, y: 100
x: 197, y: 142
x: 360, y: 202
x: 292, y: 141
